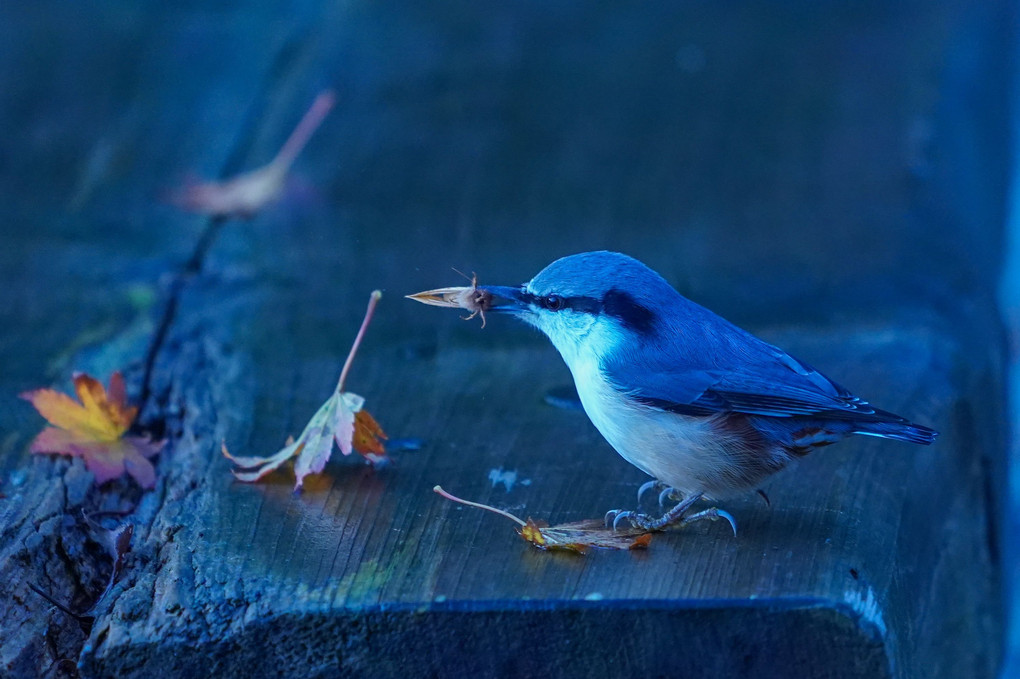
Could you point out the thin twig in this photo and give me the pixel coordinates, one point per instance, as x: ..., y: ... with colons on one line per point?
x: 305, y: 129
x: 77, y: 616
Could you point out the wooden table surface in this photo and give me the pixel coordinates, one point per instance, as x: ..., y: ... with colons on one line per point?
x: 831, y: 178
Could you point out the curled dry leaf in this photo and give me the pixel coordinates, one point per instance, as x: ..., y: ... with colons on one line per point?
x: 93, y: 429
x: 117, y: 543
x: 246, y: 194
x: 368, y: 437
x: 341, y: 419
x: 472, y: 298
x: 577, y: 537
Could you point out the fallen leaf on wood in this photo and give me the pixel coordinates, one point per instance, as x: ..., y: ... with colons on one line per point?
x: 117, y: 543
x: 578, y: 536
x: 246, y: 194
x: 94, y: 429
x: 472, y: 298
x: 341, y: 419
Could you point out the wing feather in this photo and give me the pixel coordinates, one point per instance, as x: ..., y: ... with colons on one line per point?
x: 767, y: 382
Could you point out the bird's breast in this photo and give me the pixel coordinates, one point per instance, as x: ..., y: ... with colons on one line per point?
x: 679, y: 450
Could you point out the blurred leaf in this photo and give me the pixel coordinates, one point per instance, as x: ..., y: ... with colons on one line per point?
x: 246, y: 194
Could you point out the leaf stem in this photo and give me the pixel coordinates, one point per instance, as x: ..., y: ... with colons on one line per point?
x: 454, y: 498
x: 373, y: 300
x: 304, y: 130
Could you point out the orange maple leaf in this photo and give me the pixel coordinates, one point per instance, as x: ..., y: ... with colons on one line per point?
x: 368, y: 436
x: 94, y: 429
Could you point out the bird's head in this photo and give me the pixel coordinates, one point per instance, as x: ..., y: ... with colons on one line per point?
x: 588, y: 304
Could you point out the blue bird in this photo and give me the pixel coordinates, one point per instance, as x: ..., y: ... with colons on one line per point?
x: 703, y: 407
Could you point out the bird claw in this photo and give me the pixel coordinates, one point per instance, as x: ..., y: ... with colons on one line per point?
x: 673, y: 516
x: 712, y: 514
x: 667, y: 493
x: 641, y: 521
x: 647, y: 486
x: 632, y: 517
x: 670, y: 493
x: 614, y: 516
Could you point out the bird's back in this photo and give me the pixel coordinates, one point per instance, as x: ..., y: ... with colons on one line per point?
x: 694, y: 362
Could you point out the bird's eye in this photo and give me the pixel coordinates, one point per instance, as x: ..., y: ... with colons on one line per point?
x: 552, y: 302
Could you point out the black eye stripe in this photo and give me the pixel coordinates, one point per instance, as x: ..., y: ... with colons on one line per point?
x: 615, y: 303
x: 629, y: 311
x: 580, y: 303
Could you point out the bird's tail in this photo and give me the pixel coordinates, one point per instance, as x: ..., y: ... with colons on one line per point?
x: 900, y: 431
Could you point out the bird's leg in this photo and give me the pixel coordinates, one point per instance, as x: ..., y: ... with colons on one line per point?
x: 673, y: 516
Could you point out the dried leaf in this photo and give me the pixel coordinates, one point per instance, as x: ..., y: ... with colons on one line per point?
x: 577, y: 537
x: 94, y: 429
x: 246, y: 194
x: 261, y: 466
x: 343, y: 422
x: 580, y: 535
x: 117, y: 543
x: 471, y: 298
x: 340, y: 419
x: 368, y: 436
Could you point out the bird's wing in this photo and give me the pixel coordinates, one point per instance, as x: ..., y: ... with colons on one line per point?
x: 769, y: 383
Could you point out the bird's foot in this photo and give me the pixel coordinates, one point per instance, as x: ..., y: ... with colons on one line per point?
x: 712, y: 514
x: 676, y: 515
x: 615, y: 517
x: 666, y: 492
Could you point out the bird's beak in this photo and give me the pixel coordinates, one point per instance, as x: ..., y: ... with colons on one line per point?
x: 505, y: 299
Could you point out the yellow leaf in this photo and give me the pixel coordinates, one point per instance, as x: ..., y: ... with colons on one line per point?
x: 94, y: 429
x: 96, y: 417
